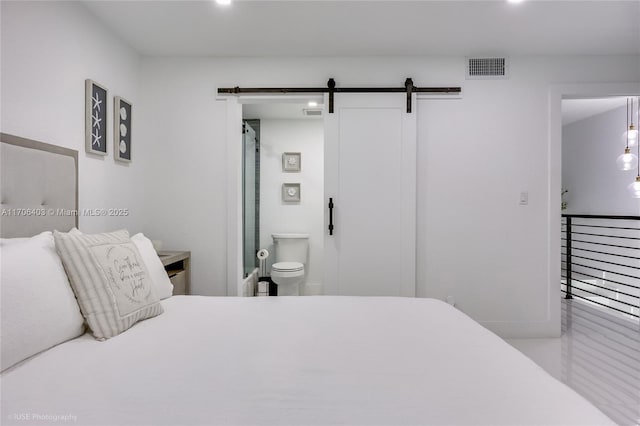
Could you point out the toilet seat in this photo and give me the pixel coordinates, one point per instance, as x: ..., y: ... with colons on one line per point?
x: 288, y: 276
x: 287, y: 267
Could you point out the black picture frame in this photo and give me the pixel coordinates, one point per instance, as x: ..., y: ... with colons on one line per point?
x: 122, y: 120
x: 95, y: 122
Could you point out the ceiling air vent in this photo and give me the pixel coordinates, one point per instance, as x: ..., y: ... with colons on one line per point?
x: 487, y: 68
x: 312, y: 112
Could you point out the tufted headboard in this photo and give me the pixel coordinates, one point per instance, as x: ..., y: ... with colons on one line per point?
x: 38, y: 187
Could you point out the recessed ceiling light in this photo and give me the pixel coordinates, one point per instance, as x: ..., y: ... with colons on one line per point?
x: 515, y: 1
x: 312, y: 104
x: 224, y: 2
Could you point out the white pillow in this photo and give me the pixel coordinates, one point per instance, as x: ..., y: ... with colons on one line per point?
x: 110, y: 280
x: 159, y: 276
x: 7, y: 241
x: 39, y: 309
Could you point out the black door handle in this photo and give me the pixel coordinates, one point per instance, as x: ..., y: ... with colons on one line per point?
x: 330, y: 216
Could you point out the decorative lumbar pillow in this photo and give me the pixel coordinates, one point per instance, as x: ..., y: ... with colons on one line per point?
x: 110, y: 280
x: 39, y: 309
x: 163, y: 286
x: 159, y: 278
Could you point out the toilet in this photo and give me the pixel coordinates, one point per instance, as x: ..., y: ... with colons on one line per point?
x: 290, y: 257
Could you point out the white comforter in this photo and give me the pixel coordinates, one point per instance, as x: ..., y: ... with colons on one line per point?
x: 292, y: 361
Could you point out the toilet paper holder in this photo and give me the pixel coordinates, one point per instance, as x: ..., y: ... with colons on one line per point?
x: 265, y: 287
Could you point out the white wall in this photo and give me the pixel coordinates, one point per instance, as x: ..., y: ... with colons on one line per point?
x: 185, y: 192
x: 590, y: 148
x: 48, y: 50
x: 475, y: 242
x: 276, y: 216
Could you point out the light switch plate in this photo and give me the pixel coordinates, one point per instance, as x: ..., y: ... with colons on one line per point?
x: 524, y: 198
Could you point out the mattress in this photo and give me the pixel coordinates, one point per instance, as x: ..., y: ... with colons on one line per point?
x: 292, y: 361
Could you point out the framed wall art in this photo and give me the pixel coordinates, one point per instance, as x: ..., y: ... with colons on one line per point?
x: 122, y: 129
x: 95, y: 122
x: 291, y: 162
x: 291, y: 192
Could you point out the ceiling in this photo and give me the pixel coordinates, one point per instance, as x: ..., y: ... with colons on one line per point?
x: 372, y: 28
x: 578, y: 109
x: 378, y: 28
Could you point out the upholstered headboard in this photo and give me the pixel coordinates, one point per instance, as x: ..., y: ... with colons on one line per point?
x: 38, y: 187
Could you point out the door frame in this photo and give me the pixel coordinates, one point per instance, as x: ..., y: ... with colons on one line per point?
x: 233, y: 147
x: 558, y: 92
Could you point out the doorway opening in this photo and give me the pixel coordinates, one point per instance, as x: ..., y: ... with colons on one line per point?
x: 600, y: 216
x: 283, y: 183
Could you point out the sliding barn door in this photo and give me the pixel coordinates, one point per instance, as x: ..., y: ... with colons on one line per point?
x: 370, y: 175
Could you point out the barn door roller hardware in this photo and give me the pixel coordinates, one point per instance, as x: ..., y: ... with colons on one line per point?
x: 331, y: 89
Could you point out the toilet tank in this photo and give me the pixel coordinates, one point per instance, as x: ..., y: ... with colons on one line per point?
x: 291, y: 247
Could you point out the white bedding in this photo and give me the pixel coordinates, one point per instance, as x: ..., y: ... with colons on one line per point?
x: 292, y: 361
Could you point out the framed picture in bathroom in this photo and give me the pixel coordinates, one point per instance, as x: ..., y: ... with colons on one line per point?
x: 291, y: 162
x: 291, y: 192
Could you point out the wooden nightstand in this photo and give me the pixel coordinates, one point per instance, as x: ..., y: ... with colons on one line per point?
x: 178, y: 267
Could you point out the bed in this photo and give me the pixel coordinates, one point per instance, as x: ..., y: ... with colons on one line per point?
x: 319, y: 360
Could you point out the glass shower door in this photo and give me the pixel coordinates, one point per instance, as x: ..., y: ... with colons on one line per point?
x: 249, y: 200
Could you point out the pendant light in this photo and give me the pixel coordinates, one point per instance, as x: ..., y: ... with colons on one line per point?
x: 628, y: 161
x: 630, y: 135
x: 634, y: 187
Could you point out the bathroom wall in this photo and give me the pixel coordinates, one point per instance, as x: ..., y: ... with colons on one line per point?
x: 590, y: 148
x: 307, y: 137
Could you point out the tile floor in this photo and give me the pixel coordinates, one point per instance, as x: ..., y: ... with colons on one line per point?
x: 598, y: 355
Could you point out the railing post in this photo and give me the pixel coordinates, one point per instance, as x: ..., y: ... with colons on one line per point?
x: 568, y: 259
